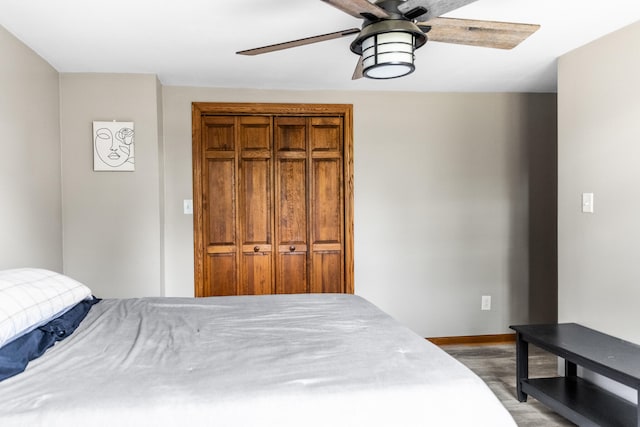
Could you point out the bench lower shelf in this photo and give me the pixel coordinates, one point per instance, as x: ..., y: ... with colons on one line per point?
x: 582, y: 402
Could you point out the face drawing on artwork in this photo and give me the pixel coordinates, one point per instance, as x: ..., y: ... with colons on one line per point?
x: 114, y: 150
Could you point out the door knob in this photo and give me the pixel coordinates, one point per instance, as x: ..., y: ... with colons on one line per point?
x: 292, y: 248
x: 256, y: 249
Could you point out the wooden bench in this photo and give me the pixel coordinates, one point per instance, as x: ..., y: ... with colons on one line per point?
x: 578, y: 400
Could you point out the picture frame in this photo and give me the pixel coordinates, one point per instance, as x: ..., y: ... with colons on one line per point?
x: 113, y: 146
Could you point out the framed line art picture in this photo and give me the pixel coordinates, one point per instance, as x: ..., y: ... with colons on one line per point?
x: 113, y: 146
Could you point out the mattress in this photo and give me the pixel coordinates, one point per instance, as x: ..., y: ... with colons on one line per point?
x: 273, y: 360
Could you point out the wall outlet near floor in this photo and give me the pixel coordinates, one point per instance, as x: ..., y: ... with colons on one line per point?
x: 486, y: 302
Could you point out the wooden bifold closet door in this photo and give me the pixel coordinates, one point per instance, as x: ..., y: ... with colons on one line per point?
x: 273, y: 198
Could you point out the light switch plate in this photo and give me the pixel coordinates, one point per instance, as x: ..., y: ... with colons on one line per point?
x: 188, y: 207
x: 587, y: 202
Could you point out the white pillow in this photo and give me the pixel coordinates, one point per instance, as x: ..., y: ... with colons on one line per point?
x: 31, y: 297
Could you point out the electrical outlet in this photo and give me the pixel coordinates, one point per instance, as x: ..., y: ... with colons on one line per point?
x: 486, y: 302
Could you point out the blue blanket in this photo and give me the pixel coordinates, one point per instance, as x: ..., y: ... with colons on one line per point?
x: 15, y: 355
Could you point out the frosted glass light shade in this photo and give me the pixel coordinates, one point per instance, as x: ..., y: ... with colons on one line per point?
x: 388, y: 55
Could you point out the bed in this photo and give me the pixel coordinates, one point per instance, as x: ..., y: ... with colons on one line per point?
x: 275, y: 360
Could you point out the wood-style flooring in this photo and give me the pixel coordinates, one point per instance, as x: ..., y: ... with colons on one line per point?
x: 496, y: 365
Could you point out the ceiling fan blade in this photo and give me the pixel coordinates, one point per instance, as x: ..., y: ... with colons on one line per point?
x: 430, y: 8
x: 358, y: 8
x: 299, y: 42
x: 499, y: 35
x: 357, y: 73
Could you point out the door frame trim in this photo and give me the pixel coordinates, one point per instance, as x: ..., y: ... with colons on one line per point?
x: 200, y: 109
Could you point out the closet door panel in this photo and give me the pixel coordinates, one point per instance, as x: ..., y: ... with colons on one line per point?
x: 290, y: 134
x: 218, y: 203
x: 256, y: 205
x: 292, y: 201
x: 256, y: 256
x: 325, y: 134
x: 327, y: 273
x: 292, y: 272
x: 256, y: 272
x: 326, y: 212
x: 292, y: 225
x: 218, y: 133
x: 221, y: 272
x: 326, y: 205
x: 291, y: 204
x: 327, y: 226
x: 255, y: 133
x: 255, y: 194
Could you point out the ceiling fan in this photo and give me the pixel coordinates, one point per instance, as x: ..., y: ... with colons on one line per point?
x: 393, y: 29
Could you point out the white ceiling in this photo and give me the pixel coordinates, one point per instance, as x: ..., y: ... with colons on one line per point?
x: 193, y: 42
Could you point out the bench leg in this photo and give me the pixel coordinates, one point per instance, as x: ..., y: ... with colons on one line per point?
x: 638, y: 410
x: 570, y: 369
x: 522, y: 365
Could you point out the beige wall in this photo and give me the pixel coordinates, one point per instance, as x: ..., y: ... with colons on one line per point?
x: 441, y: 200
x: 30, y: 210
x: 112, y: 220
x: 599, y: 152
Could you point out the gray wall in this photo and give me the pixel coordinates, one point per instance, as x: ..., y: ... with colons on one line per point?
x: 30, y: 210
x: 599, y: 152
x: 441, y: 201
x: 112, y: 220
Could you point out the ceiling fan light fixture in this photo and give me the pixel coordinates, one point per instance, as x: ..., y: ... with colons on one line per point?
x: 387, y: 48
x: 388, y: 55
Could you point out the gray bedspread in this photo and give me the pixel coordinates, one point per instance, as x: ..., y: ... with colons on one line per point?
x: 286, y: 360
